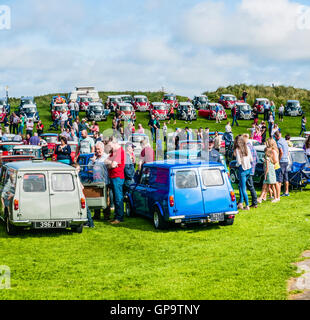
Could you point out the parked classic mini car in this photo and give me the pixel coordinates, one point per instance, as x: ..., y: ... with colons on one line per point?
x: 160, y: 110
x: 125, y: 110
x: 84, y: 102
x: 7, y: 106
x: 97, y: 112
x: 57, y: 110
x: 113, y: 102
x: 298, y: 142
x: 259, y: 104
x: 58, y: 101
x: 227, y: 100
x: 41, y: 195
x: 28, y: 107
x: 141, y: 103
x: 171, y: 99
x: 200, y: 101
x: 127, y: 98
x: 244, y: 111
x: 6, y: 148
x: 28, y: 150
x: 183, y: 111
x: 299, y: 168
x: 293, y: 108
x: 183, y: 193
x: 209, y: 111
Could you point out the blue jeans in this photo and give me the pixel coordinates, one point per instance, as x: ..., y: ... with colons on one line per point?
x: 118, y: 195
x: 21, y: 129
x: 89, y: 217
x: 235, y: 121
x: 244, y: 175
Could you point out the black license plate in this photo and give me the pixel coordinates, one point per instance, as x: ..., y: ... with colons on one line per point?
x: 216, y: 217
x: 50, y: 224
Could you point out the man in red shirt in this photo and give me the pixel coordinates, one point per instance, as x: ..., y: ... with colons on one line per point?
x: 147, y: 153
x: 116, y: 165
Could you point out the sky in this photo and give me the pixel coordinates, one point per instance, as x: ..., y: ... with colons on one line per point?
x: 185, y: 46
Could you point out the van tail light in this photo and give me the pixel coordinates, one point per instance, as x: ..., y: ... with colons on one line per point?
x: 83, y: 203
x: 16, y: 204
x: 171, y: 201
x: 232, y: 196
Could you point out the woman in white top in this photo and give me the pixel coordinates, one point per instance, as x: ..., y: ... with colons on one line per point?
x: 244, y: 159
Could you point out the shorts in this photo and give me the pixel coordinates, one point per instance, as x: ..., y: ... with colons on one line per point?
x: 282, y: 173
x: 171, y: 116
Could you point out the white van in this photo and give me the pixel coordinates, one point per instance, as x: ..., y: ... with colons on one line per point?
x: 90, y: 92
x: 41, y: 195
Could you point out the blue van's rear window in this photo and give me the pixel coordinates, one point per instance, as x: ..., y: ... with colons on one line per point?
x: 186, y: 179
x: 212, y: 178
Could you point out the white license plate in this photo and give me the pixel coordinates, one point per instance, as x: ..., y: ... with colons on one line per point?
x: 216, y: 217
x: 50, y: 224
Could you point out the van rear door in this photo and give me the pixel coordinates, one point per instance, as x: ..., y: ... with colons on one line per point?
x: 34, y: 197
x: 215, y: 190
x: 187, y: 193
x: 65, y: 197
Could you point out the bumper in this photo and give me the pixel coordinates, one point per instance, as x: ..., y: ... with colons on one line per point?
x: 30, y: 223
x: 202, y: 219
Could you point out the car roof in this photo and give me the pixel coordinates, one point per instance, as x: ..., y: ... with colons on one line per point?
x: 140, y: 96
x: 28, y: 97
x: 185, y: 104
x: 292, y: 100
x: 124, y: 104
x: 228, y: 95
x: 214, y: 104
x: 49, y: 134
x: 242, y: 104
x: 39, y: 165
x: 298, y: 138
x: 259, y: 99
x: 27, y: 147
x: 95, y: 104
x: 172, y: 164
x: 159, y: 103
x: 263, y: 147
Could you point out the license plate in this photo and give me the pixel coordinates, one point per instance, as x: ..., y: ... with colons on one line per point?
x: 50, y: 224
x: 216, y: 217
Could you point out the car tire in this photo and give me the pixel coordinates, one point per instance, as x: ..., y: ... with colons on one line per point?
x: 129, y: 211
x: 233, y: 177
x: 78, y: 229
x: 10, y: 229
x: 227, y: 222
x: 158, y: 220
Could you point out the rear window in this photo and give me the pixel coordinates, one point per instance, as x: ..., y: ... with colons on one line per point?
x: 62, y: 182
x: 34, y: 183
x: 212, y: 178
x: 186, y: 179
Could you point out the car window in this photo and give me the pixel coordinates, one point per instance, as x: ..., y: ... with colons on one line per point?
x: 34, y: 183
x: 159, y: 178
x: 261, y: 157
x: 212, y: 178
x: 62, y: 182
x: 186, y: 179
x: 145, y: 177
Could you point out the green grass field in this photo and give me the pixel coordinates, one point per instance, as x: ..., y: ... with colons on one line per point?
x: 250, y: 260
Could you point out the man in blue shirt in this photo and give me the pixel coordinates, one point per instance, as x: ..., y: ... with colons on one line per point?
x: 266, y: 110
x: 282, y: 173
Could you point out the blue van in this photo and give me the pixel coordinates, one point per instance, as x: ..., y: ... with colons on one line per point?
x: 182, y: 193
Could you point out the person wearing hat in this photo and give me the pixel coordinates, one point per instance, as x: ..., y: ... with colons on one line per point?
x: 129, y: 167
x: 209, y: 153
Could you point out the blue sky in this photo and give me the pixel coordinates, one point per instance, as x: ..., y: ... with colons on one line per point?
x: 186, y: 46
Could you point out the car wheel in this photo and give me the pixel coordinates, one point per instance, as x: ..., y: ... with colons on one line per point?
x: 129, y: 210
x: 233, y: 177
x: 227, y: 222
x: 78, y: 229
x: 10, y: 229
x: 158, y: 220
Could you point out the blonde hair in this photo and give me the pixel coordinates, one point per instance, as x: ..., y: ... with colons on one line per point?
x: 271, y: 143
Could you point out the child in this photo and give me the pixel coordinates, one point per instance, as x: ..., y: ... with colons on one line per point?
x: 270, y: 177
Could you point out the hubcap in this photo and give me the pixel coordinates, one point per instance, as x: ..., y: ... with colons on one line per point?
x: 156, y: 219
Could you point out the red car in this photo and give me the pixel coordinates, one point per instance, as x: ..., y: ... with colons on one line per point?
x: 113, y: 102
x: 84, y: 102
x: 209, y: 111
x: 2, y: 113
x: 6, y: 148
x: 160, y: 110
x: 59, y: 109
x: 259, y: 104
x: 126, y: 111
x: 141, y: 103
x: 227, y: 100
x: 171, y: 99
x: 73, y: 145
